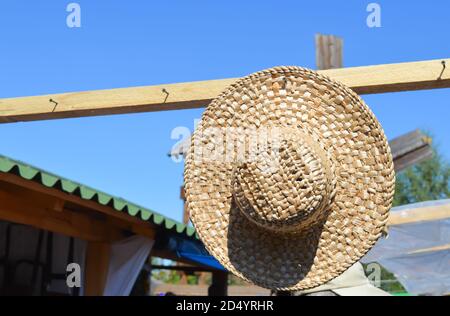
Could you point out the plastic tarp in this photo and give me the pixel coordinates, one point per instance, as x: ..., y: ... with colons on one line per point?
x: 418, y: 253
x: 193, y: 250
x: 205, y: 260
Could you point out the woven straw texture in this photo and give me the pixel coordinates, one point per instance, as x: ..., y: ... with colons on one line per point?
x: 304, y: 208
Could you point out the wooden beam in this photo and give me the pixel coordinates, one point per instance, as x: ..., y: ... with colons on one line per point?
x: 410, y: 149
x: 122, y: 220
x: 420, y: 214
x: 219, y: 284
x: 412, y: 158
x: 363, y: 80
x: 22, y: 210
x: 409, y: 142
x: 97, y: 266
x: 142, y: 230
x: 422, y: 75
x: 432, y: 249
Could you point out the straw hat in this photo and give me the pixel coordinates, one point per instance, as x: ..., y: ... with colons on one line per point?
x: 289, y: 178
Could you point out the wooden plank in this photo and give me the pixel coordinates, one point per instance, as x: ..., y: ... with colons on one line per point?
x: 421, y: 214
x: 328, y: 52
x: 116, y: 101
x: 410, y: 149
x: 143, y: 231
x: 407, y: 143
x: 219, y: 284
x: 125, y: 221
x: 432, y: 249
x: 363, y: 80
x: 412, y: 158
x: 97, y: 265
x: 19, y: 209
x: 422, y: 75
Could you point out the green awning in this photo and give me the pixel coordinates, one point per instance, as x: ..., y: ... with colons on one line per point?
x: 50, y: 180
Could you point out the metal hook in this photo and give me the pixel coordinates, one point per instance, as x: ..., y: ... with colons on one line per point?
x: 443, y: 69
x: 167, y: 94
x: 56, y: 104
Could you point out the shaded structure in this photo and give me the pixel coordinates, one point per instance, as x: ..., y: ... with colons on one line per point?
x: 48, y: 222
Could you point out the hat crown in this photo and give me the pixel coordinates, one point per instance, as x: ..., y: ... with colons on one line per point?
x: 287, y: 187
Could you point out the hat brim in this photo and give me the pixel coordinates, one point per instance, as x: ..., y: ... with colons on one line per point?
x: 331, y: 114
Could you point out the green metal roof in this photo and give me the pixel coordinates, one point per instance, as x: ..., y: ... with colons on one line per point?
x: 50, y: 180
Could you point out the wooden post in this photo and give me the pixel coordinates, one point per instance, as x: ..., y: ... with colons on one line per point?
x: 185, y: 209
x: 97, y: 265
x: 149, y: 271
x: 219, y: 286
x: 328, y: 52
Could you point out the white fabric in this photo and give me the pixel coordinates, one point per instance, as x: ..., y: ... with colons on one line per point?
x: 60, y: 247
x: 126, y: 261
x: 352, y: 282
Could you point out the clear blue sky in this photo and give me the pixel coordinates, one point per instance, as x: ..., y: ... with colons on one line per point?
x: 132, y: 43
